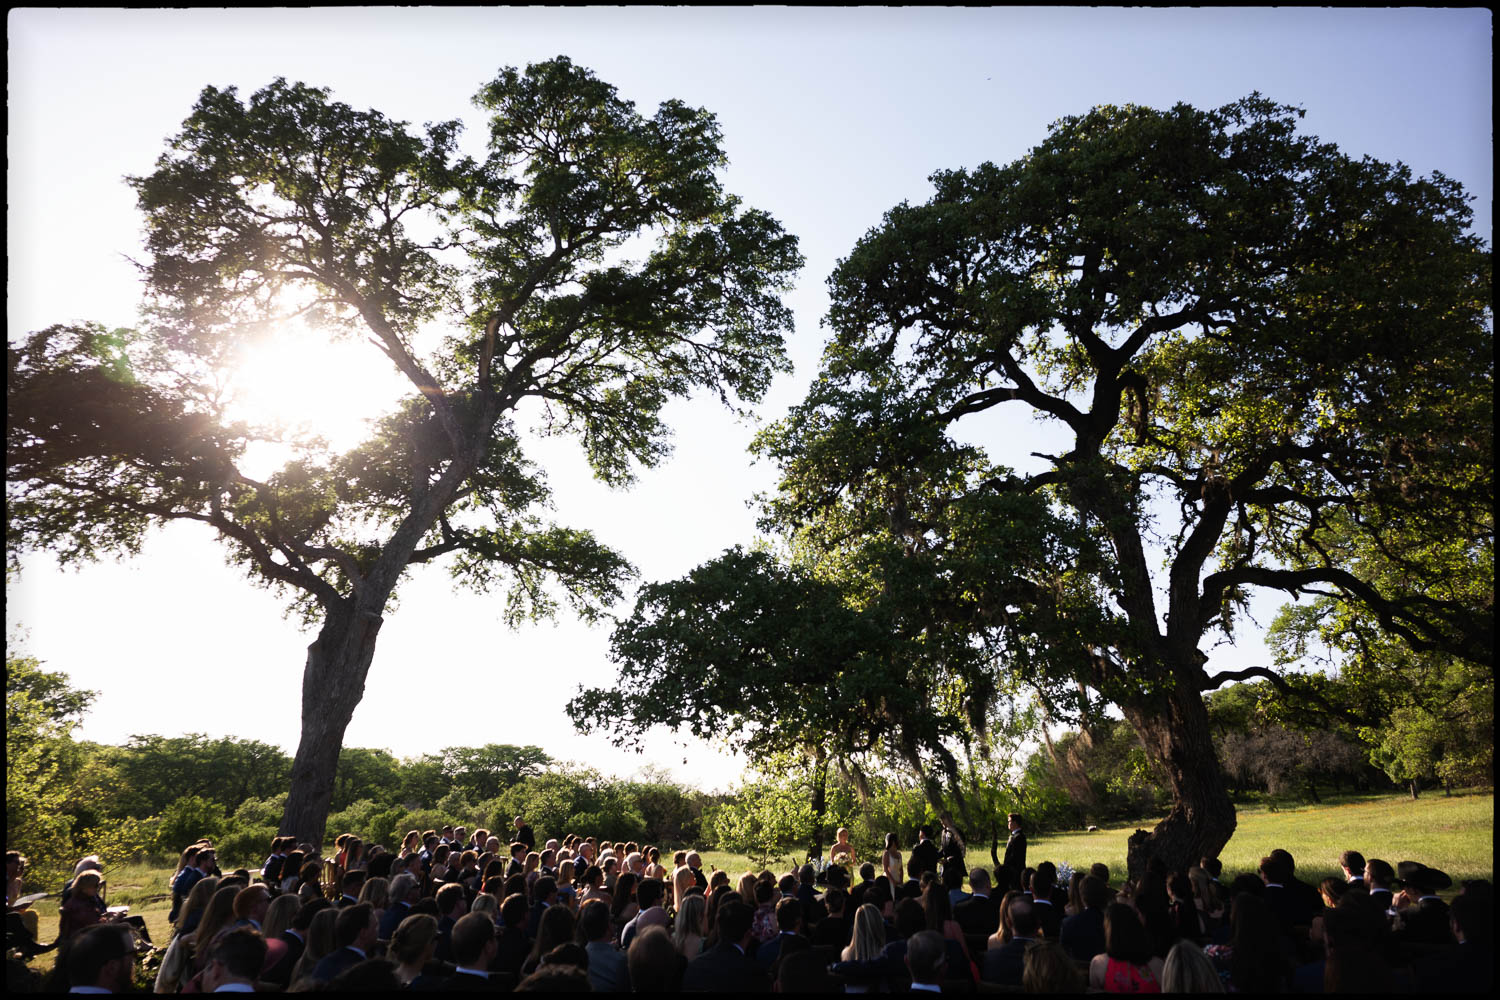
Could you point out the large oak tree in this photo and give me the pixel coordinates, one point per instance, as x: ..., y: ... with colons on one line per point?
x: 1263, y: 355
x: 588, y: 270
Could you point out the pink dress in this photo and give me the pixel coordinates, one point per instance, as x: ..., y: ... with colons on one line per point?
x: 1122, y: 977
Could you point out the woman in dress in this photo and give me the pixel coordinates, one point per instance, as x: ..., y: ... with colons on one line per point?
x: 890, y: 861
x: 1127, y: 965
x: 687, y: 929
x: 842, y: 852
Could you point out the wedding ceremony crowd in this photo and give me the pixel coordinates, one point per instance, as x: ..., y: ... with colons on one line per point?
x: 494, y: 911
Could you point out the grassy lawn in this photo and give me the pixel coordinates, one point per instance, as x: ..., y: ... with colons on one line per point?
x: 1454, y: 834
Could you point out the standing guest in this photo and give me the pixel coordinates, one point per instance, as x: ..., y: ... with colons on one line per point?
x: 1127, y: 965
x: 1015, y: 848
x: 842, y: 852
x: 523, y: 833
x: 952, y: 850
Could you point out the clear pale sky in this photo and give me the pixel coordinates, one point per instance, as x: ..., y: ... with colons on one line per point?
x: 830, y: 117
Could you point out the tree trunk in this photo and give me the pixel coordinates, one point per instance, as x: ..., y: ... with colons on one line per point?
x: 819, y: 804
x: 1413, y: 786
x: 1174, y: 728
x: 333, y: 682
x: 1312, y: 790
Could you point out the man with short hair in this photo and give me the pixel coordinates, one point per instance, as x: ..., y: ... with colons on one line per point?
x: 235, y: 961
x: 1381, y: 877
x: 518, y: 852
x: 648, y: 894
x: 474, y: 948
x: 452, y: 904
x: 250, y: 905
x: 924, y: 854
x: 355, y: 932
x: 789, y: 932
x: 1353, y: 864
x: 695, y: 865
x: 544, y: 892
x: 524, y: 834
x: 349, y: 886
x: 1048, y: 913
x: 727, y: 968
x: 926, y: 957
x: 1015, y: 849
x: 834, y: 929
x: 608, y: 970
x: 100, y: 959
x: 1004, y: 965
x: 976, y: 913
x: 1082, y: 934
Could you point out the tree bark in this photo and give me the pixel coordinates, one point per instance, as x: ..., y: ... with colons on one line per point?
x: 819, y: 804
x: 333, y: 682
x: 1174, y: 729
x: 1413, y: 786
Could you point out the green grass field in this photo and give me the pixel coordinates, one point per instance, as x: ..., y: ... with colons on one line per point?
x: 1454, y: 834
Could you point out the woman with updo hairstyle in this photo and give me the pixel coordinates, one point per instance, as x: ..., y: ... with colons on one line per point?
x: 412, y: 947
x: 654, y: 868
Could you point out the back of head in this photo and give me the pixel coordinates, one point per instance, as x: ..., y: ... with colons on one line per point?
x: 1354, y: 861
x: 449, y: 895
x: 1095, y: 893
x: 1043, y: 879
x: 788, y: 915
x: 910, y: 918
x: 1048, y: 969
x: 652, y: 960
x: 242, y: 952
x: 1380, y: 872
x: 401, y: 888
x: 593, y: 920
x: 1188, y: 970
x: 806, y: 972
x: 471, y: 932
x: 733, y: 921
x: 1023, y: 918
x: 979, y: 881
x: 1125, y: 937
x: 351, y: 922
x: 555, y: 978
x: 650, y: 892
x: 926, y: 954
x: 306, y: 911
x: 953, y: 877
x: 1475, y: 917
x: 513, y: 910
x: 412, y: 937
x: 373, y: 975
x: 90, y: 950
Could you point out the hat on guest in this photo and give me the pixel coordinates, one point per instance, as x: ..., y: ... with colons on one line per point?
x: 1419, y: 876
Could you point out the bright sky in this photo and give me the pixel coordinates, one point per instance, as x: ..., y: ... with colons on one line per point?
x: 830, y: 117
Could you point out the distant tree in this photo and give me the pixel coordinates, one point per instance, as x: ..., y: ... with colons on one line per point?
x: 291, y: 205
x: 484, y: 772
x: 41, y: 710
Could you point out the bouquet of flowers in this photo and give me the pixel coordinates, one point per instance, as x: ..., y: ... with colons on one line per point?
x: 1064, y: 874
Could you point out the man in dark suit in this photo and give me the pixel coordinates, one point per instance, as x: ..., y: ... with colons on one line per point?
x: 789, y: 928
x: 1307, y: 903
x: 1015, y: 849
x: 1382, y: 877
x: 1425, y: 917
x: 524, y: 834
x: 924, y: 854
x: 978, y: 914
x: 452, y: 904
x: 349, y: 887
x: 727, y: 968
x: 295, y: 938
x: 1082, y: 934
x: 235, y: 961
x: 404, y: 893
x: 1048, y: 914
x: 544, y: 891
x: 474, y: 947
x: 1353, y: 864
x: 926, y: 959
x: 833, y: 930
x: 511, y: 941
x: 1005, y: 964
x: 355, y: 933
x: 1469, y: 965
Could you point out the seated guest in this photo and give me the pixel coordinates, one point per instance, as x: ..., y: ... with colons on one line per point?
x: 833, y: 930
x: 806, y: 972
x: 649, y: 895
x: 512, y: 944
x: 1188, y: 970
x: 1048, y: 969
x: 1048, y: 913
x: 1254, y: 958
x: 1382, y: 879
x: 474, y: 947
x: 295, y: 938
x: 355, y: 933
x: 726, y: 968
x: 1424, y: 915
x: 1127, y: 965
x: 84, y: 907
x: 452, y: 904
x: 1469, y: 965
x: 608, y: 970
x: 1353, y: 864
x: 788, y: 932
x: 405, y: 890
x: 235, y: 961
x: 1082, y: 935
x: 977, y: 914
x: 99, y: 959
x: 1005, y: 964
x: 926, y: 958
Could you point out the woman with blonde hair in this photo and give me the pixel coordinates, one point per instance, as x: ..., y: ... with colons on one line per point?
x: 842, y: 852
x: 688, y: 927
x: 867, y: 939
x: 746, y: 887
x: 376, y: 892
x: 682, y: 881
x: 279, y: 916
x: 487, y: 904
x: 195, y: 905
x: 412, y: 946
x: 320, y: 943
x: 1188, y: 970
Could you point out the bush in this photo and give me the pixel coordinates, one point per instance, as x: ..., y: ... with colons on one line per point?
x: 244, y: 847
x: 187, y: 820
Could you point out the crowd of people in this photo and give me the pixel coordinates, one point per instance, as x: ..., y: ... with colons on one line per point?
x: 453, y: 911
